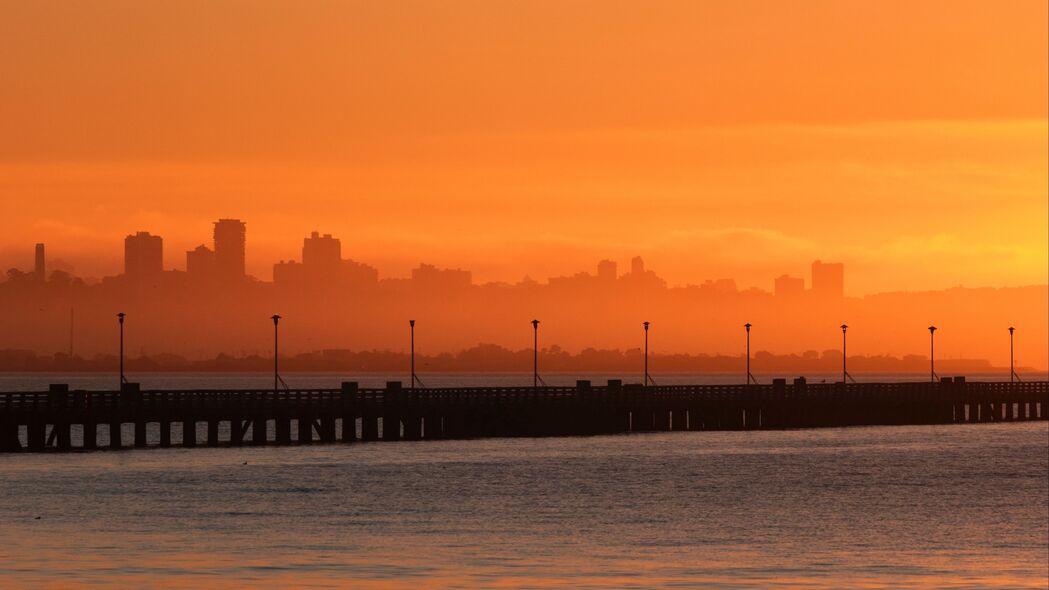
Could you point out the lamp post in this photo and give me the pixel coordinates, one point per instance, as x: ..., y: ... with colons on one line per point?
x: 747, y: 326
x: 535, y: 354
x: 1012, y: 370
x: 646, y: 324
x: 276, y: 374
x: 932, y: 354
x: 120, y: 319
x: 411, y: 329
x: 844, y: 357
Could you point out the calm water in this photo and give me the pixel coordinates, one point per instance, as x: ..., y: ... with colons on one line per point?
x: 924, y: 506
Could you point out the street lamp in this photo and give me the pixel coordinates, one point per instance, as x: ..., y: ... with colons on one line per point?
x: 932, y: 355
x: 535, y: 354
x: 120, y: 319
x: 411, y: 328
x: 646, y: 324
x: 276, y: 374
x: 1012, y: 370
x: 844, y: 357
x: 750, y: 377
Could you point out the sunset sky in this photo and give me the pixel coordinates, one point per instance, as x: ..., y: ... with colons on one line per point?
x: 716, y: 139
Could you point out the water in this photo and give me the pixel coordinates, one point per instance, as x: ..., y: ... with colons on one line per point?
x: 921, y: 506
x: 925, y: 506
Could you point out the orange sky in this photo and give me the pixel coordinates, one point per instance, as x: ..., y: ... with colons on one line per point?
x: 717, y: 139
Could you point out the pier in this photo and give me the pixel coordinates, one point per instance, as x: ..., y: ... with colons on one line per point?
x: 64, y: 420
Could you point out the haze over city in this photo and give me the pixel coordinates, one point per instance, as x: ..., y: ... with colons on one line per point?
x: 337, y: 306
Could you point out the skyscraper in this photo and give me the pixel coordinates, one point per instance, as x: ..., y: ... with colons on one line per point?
x: 828, y: 279
x: 229, y: 248
x: 322, y: 252
x: 606, y: 270
x: 637, y: 266
x: 143, y: 255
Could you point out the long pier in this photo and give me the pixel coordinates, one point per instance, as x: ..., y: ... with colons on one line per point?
x: 63, y: 420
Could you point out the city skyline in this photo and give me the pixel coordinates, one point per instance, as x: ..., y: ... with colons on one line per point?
x: 334, y: 303
x: 322, y: 255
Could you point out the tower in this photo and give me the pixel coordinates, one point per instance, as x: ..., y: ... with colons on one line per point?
x: 143, y: 255
x: 229, y: 248
x: 828, y: 279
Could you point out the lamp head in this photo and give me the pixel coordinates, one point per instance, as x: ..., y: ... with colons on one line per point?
x: 747, y: 326
x: 121, y: 316
x: 844, y: 327
x: 932, y: 329
x: 1011, y: 329
x: 646, y: 325
x: 535, y: 324
x: 275, y: 318
x: 411, y: 323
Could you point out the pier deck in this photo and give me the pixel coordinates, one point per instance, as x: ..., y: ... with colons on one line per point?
x: 61, y: 419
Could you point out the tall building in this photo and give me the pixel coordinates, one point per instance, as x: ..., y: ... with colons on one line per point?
x: 606, y: 270
x: 143, y: 255
x: 828, y: 279
x: 788, y: 286
x: 229, y: 248
x: 637, y: 266
x: 39, y: 271
x: 200, y: 262
x: 323, y: 253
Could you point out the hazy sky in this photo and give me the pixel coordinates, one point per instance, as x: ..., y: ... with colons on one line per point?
x: 730, y: 138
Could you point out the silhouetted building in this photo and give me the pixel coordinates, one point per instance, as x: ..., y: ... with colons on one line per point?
x: 606, y: 270
x: 39, y: 269
x: 359, y: 274
x: 229, y: 248
x: 637, y: 266
x: 143, y: 255
x: 828, y: 279
x: 721, y: 286
x: 430, y: 277
x: 200, y: 262
x: 289, y: 274
x: 788, y: 286
x: 322, y: 255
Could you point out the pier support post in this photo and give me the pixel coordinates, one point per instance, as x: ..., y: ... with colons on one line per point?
x: 213, y: 433
x: 36, y: 436
x: 140, y: 434
x: 258, y: 431
x: 391, y: 413
x: 413, y: 427
x: 305, y: 429
x: 165, y: 433
x: 369, y: 427
x: 349, y: 396
x: 115, y: 436
x: 283, y: 427
x: 189, y: 432
x: 679, y: 419
x: 236, y: 432
x: 63, y: 438
x: 327, y: 429
x: 9, y: 437
x: 90, y: 435
x: 432, y: 428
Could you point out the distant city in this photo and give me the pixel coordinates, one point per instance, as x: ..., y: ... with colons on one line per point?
x: 213, y: 313
x: 322, y: 266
